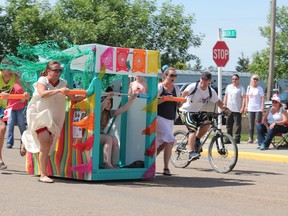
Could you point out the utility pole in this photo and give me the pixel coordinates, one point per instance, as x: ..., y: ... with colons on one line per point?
x: 272, y: 50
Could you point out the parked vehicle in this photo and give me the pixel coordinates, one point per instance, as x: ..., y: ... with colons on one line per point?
x: 182, y: 86
x: 284, y: 100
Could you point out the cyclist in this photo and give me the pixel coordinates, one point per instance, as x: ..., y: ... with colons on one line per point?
x: 198, y: 94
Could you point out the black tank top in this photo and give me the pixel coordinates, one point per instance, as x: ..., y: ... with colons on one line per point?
x: 167, y: 109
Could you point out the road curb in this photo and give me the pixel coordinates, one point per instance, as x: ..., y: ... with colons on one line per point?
x: 263, y: 157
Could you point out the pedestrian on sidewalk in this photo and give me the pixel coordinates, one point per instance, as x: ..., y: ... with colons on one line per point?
x: 17, y: 116
x: 273, y: 122
x: 254, y: 105
x: 234, y: 99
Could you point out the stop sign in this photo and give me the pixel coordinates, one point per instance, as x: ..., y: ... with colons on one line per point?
x: 220, y: 53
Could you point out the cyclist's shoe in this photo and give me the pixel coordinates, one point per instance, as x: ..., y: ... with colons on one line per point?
x: 193, y: 156
x: 198, y: 143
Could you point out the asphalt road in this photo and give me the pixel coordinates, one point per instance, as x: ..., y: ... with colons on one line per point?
x: 252, y: 188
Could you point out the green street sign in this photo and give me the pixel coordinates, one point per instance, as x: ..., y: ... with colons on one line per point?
x: 229, y: 33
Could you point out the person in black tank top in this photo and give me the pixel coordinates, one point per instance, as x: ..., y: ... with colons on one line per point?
x: 165, y: 116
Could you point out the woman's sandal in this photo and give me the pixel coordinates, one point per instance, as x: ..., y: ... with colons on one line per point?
x: 167, y: 172
x: 22, y: 150
x: 2, y: 165
x: 45, y: 179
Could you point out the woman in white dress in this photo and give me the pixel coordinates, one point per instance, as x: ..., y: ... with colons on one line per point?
x: 45, y: 115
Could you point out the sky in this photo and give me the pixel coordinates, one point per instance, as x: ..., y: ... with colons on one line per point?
x: 245, y: 16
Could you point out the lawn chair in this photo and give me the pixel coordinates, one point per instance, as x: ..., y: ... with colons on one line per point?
x: 280, y: 140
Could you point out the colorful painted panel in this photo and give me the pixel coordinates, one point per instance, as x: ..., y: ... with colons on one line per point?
x: 122, y: 59
x: 118, y: 60
x: 139, y: 61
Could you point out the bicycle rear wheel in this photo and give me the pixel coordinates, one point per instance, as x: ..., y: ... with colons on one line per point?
x: 222, y: 157
x: 180, y: 155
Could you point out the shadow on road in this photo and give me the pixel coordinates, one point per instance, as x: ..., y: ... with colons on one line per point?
x: 241, y: 172
x: 168, y: 181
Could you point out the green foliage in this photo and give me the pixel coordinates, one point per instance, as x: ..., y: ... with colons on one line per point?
x: 181, y: 66
x: 172, y: 34
x: 260, y: 63
x: 243, y: 64
x: 122, y: 23
x: 198, y: 65
x: 212, y: 68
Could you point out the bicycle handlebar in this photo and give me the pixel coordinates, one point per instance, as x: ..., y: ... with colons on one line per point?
x: 212, y: 114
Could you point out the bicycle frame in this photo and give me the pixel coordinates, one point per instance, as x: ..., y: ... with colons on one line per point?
x: 213, y: 128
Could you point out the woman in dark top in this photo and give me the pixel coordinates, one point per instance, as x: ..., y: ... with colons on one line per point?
x: 166, y: 116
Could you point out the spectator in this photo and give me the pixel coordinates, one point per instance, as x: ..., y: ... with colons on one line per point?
x: 254, y: 105
x: 273, y: 122
x: 234, y: 99
x: 16, y: 117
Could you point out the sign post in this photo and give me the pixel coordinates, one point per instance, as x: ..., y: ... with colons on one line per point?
x: 220, y: 53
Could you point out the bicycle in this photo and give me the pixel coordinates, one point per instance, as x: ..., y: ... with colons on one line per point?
x: 222, y: 157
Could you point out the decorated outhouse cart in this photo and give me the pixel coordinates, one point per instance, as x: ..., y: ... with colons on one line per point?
x: 79, y: 154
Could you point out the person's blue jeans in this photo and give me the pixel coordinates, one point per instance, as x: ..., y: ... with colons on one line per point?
x: 17, y: 116
x: 2, y: 112
x: 262, y: 131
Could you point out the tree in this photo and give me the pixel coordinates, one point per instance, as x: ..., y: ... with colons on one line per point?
x: 26, y: 21
x: 172, y: 34
x: 198, y: 65
x: 212, y: 68
x: 243, y: 64
x: 181, y: 66
x: 122, y: 23
x: 260, y: 62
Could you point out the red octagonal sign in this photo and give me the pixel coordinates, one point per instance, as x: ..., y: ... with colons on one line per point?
x: 221, y: 53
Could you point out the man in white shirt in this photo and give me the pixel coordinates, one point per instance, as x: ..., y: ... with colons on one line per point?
x: 196, y: 125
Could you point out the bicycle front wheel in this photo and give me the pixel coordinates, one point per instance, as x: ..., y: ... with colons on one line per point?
x: 180, y: 156
x: 222, y: 157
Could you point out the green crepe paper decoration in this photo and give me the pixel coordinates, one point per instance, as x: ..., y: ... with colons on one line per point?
x: 30, y: 60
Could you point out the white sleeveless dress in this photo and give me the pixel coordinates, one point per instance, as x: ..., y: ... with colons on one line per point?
x: 44, y: 112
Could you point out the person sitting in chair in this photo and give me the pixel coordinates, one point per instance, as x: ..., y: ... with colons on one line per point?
x: 273, y: 122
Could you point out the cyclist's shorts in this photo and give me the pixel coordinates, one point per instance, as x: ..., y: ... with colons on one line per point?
x: 193, y: 120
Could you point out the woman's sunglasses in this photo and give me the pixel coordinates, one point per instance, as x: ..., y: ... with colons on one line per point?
x: 171, y: 75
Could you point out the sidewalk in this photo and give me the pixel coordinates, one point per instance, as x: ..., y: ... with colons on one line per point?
x: 250, y: 151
